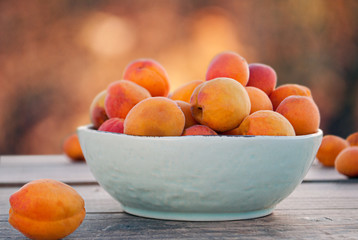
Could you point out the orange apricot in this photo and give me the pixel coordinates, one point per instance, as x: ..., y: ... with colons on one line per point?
x: 259, y: 99
x: 155, y: 116
x: 72, y: 148
x: 302, y: 112
x: 266, y: 122
x: 185, y: 91
x: 283, y: 91
x: 46, y: 209
x: 97, y: 111
x: 198, y: 130
x: 329, y: 149
x: 149, y: 74
x: 229, y: 64
x: 263, y: 77
x: 346, y: 162
x: 186, y: 108
x: 112, y: 125
x: 353, y: 139
x: 122, y: 95
x: 221, y: 104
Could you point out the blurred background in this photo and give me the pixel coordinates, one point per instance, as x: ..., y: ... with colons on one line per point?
x: 55, y: 56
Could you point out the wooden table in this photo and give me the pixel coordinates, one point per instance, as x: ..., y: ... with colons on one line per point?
x: 324, y: 206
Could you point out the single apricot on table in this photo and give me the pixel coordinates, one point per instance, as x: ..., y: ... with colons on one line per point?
x: 263, y: 77
x: 97, y: 111
x: 230, y: 65
x: 46, y: 209
x: 221, y: 104
x: 72, y: 148
x: 285, y: 90
x: 115, y: 125
x: 353, y: 139
x: 149, y: 74
x: 155, y: 116
x: 265, y: 122
x: 329, y: 149
x: 347, y: 162
x: 185, y: 91
x: 302, y: 112
x: 198, y: 130
x: 259, y: 99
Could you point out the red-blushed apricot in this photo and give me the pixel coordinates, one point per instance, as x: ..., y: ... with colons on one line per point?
x: 346, y: 162
x: 353, y: 139
x: 186, y: 108
x: 230, y: 65
x: 262, y: 76
x: 266, y: 122
x: 97, y: 112
x: 302, y: 112
x: 185, y: 91
x: 198, y: 130
x: 285, y: 90
x: 221, y: 104
x: 155, y: 116
x: 112, y: 125
x: 46, y: 209
x: 259, y: 99
x: 149, y: 74
x: 72, y: 148
x: 329, y: 149
x: 122, y: 95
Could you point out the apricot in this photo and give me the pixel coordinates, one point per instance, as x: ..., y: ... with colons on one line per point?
x: 72, y: 148
x: 266, y: 122
x: 263, y: 77
x: 221, y: 104
x: 302, y: 112
x: 149, y: 74
x: 353, y: 139
x: 155, y: 116
x: 186, y: 108
x: 122, y: 95
x: 347, y: 162
x: 112, y: 125
x: 198, y: 130
x: 46, y: 209
x: 229, y: 64
x: 97, y: 111
x: 259, y: 99
x: 185, y: 91
x: 285, y: 90
x: 329, y: 149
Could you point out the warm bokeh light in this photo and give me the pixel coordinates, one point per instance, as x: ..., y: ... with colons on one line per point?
x: 55, y: 56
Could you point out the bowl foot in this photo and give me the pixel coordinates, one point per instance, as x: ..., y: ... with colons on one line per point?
x: 185, y: 216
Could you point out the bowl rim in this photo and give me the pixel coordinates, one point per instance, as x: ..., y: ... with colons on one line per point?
x: 89, y: 128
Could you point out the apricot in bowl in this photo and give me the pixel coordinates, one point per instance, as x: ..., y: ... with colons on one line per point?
x: 198, y: 178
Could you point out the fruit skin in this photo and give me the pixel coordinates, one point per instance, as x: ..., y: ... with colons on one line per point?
x: 155, y: 116
x: 266, y: 122
x: 285, y: 90
x: 97, y: 111
x: 353, y: 139
x: 259, y: 99
x: 302, y: 112
x: 46, y: 209
x: 185, y: 91
x: 186, y: 108
x: 330, y: 147
x: 263, y: 77
x: 115, y: 125
x: 198, y: 130
x: 220, y: 104
x: 230, y: 65
x: 346, y: 162
x: 122, y: 95
x: 149, y: 74
x: 72, y: 148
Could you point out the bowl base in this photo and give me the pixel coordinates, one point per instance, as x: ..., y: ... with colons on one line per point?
x: 185, y: 216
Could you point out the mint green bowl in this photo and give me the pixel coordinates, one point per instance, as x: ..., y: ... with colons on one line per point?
x: 198, y: 178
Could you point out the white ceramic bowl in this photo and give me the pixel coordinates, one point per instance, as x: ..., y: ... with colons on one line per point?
x: 198, y: 178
